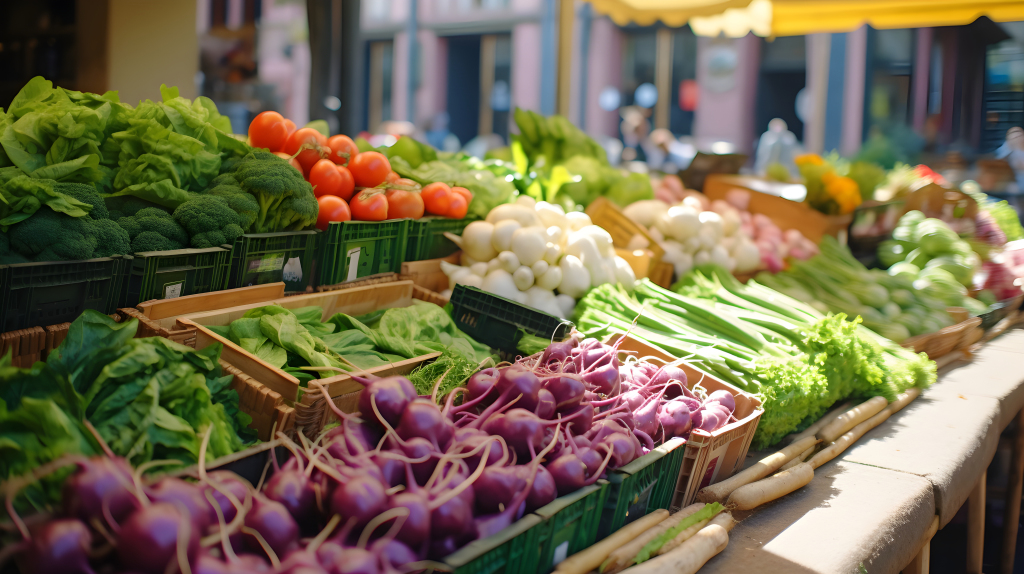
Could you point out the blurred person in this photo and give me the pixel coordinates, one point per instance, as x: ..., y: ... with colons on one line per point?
x: 1012, y: 151
x: 438, y: 130
x: 635, y: 128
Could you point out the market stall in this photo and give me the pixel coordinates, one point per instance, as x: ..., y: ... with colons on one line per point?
x: 377, y: 359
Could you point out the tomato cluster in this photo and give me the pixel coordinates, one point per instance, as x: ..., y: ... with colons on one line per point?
x: 349, y: 184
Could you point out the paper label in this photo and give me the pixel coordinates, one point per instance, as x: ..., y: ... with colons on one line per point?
x: 292, y: 270
x: 173, y: 290
x: 561, y: 553
x: 353, y: 263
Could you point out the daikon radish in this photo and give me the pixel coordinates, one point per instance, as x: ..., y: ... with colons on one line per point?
x: 725, y: 520
x: 852, y: 418
x: 819, y: 424
x: 767, y: 465
x: 589, y: 559
x: 844, y: 442
x: 798, y: 458
x: 623, y: 557
x: 689, y: 556
x: 780, y: 484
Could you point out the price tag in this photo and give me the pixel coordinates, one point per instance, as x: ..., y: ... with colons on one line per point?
x: 173, y: 290
x: 353, y: 263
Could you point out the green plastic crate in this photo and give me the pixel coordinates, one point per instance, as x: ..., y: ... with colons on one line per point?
x: 642, y: 486
x: 511, y: 551
x: 170, y: 274
x: 427, y: 240
x: 349, y: 250
x: 570, y: 525
x: 39, y: 294
x: 496, y: 321
x: 261, y: 258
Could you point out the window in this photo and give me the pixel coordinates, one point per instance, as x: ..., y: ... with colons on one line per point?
x: 684, y: 70
x: 381, y: 60
x: 1004, y: 87
x: 892, y: 56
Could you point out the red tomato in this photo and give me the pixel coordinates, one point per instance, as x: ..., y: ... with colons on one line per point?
x: 294, y: 162
x: 341, y: 145
x: 392, y: 177
x: 268, y: 131
x: 369, y: 169
x: 437, y: 197
x: 312, y: 143
x: 332, y: 208
x: 402, y: 204
x: 348, y: 185
x: 458, y: 206
x: 464, y: 193
x: 369, y: 205
x: 290, y: 125
x: 325, y: 179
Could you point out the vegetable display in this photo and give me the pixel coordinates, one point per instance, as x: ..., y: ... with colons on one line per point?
x: 572, y: 169
x: 302, y: 343
x: 527, y: 250
x: 88, y: 176
x: 722, y: 233
x: 149, y: 399
x: 905, y: 301
x: 929, y: 243
x: 798, y: 360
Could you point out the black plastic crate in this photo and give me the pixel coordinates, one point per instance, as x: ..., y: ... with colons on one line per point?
x: 170, y: 274
x: 39, y: 294
x: 349, y: 250
x: 427, y: 240
x: 496, y: 321
x: 261, y: 258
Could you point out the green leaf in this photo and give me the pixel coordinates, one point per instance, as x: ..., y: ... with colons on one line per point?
x: 707, y: 513
x: 320, y: 126
x: 92, y: 330
x: 127, y: 427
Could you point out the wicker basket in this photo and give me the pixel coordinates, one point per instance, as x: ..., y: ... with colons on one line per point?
x: 943, y: 341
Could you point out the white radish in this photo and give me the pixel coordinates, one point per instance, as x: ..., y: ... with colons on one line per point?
x: 767, y: 489
x: 509, y: 261
x: 550, y: 279
x: 719, y: 491
x: 539, y: 268
x: 575, y: 277
x: 528, y: 243
x: 501, y: 239
x: 526, y: 216
x: 476, y: 240
x: 523, y: 278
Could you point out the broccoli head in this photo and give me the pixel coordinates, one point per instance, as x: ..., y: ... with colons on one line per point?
x: 86, y: 193
x: 111, y: 238
x: 242, y: 203
x: 272, y: 181
x: 52, y: 236
x: 209, y: 220
x: 161, y: 231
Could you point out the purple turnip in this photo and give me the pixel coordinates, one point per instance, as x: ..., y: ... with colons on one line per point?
x: 58, y: 547
x: 149, y: 538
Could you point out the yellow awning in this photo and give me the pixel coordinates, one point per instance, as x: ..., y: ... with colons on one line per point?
x: 795, y: 17
x: 671, y: 12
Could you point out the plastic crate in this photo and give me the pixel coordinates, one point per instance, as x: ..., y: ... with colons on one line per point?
x: 349, y: 250
x: 427, y: 240
x: 570, y: 525
x: 642, y: 486
x: 261, y: 258
x: 511, y: 551
x: 170, y: 274
x: 39, y: 294
x: 496, y: 321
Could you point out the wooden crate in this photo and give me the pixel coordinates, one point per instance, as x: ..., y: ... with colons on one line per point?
x: 354, y: 301
x: 609, y: 217
x: 26, y: 346
x: 709, y: 457
x: 769, y: 198
x: 429, y: 279
x: 268, y: 410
